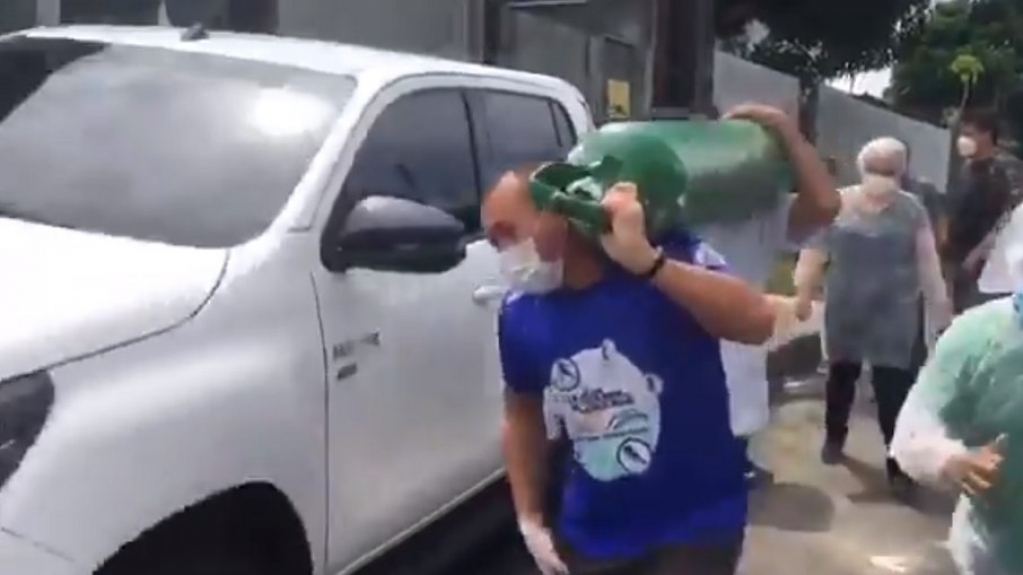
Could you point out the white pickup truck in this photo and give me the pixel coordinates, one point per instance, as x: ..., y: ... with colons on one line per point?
x: 246, y: 313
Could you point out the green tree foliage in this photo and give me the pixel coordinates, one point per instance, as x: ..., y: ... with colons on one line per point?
x: 817, y: 40
x: 965, y: 53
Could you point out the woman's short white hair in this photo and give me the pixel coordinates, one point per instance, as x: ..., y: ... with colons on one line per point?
x: 885, y: 156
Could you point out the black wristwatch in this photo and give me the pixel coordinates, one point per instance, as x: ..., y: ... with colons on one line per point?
x: 655, y: 268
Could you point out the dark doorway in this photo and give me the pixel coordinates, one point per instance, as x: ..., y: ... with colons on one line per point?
x: 259, y: 16
x: 256, y: 16
x: 17, y: 14
x: 126, y: 12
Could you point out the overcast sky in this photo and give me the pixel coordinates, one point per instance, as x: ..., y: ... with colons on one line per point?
x: 873, y: 83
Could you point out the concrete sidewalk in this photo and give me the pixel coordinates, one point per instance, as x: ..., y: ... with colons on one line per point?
x: 840, y: 520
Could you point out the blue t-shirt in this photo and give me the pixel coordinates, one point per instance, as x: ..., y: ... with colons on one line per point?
x: 638, y: 387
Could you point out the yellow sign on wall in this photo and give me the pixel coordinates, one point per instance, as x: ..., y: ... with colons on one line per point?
x: 618, y: 100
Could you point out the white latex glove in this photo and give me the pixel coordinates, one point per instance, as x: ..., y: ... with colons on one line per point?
x: 977, y: 470
x: 540, y: 545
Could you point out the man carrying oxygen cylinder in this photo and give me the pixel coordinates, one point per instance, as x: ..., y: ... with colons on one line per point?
x: 960, y: 425
x: 614, y: 345
x: 751, y: 248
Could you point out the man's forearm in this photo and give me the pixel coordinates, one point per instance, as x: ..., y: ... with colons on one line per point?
x: 525, y: 455
x: 817, y: 198
x: 727, y: 307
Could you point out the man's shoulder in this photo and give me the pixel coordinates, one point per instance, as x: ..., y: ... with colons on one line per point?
x: 516, y: 303
x: 517, y: 310
x: 518, y: 316
x: 1003, y: 158
x: 1010, y: 165
x: 524, y: 308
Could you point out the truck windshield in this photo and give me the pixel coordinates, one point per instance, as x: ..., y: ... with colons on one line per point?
x: 155, y: 144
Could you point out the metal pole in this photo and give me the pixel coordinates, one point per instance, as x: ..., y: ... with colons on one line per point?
x: 493, y: 27
x: 684, y: 55
x: 48, y: 12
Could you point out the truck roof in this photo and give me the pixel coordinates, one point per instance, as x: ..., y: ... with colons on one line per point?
x: 318, y: 55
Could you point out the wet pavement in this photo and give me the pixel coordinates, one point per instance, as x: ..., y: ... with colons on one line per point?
x: 814, y: 519
x: 838, y: 520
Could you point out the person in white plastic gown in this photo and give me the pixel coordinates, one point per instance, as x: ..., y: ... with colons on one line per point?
x: 961, y: 423
x: 881, y: 260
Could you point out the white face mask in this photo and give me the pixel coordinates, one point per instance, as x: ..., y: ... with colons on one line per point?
x: 966, y: 146
x: 879, y: 187
x: 522, y: 267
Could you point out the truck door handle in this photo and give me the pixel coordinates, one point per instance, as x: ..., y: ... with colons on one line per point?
x: 486, y: 294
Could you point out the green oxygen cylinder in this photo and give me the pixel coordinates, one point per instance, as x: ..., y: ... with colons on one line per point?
x: 688, y: 173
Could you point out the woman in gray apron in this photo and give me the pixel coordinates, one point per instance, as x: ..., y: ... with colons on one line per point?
x: 881, y: 260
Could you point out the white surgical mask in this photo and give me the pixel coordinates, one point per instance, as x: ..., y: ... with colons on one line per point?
x: 966, y: 146
x: 876, y: 186
x: 524, y: 270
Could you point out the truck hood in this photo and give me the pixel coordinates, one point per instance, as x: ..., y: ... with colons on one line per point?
x: 65, y: 294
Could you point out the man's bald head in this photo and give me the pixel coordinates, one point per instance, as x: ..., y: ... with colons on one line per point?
x: 510, y: 216
x: 507, y: 207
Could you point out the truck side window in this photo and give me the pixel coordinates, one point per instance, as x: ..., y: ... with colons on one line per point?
x: 566, y: 132
x: 521, y: 130
x: 420, y: 148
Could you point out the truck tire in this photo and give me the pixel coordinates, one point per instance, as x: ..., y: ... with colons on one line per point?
x: 211, y: 565
x: 247, y: 531
x: 207, y: 563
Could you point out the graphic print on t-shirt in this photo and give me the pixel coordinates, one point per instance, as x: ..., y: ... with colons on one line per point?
x: 609, y: 408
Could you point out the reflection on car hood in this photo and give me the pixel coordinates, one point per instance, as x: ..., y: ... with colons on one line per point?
x: 65, y: 294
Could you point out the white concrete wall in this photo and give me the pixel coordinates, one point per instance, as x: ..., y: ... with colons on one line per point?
x: 844, y: 124
x: 737, y: 81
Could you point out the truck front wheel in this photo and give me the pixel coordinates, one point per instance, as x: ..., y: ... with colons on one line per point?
x: 249, y: 530
x: 197, y: 564
x: 196, y: 553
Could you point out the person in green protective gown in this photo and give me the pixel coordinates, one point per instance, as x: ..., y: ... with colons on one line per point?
x: 962, y: 425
